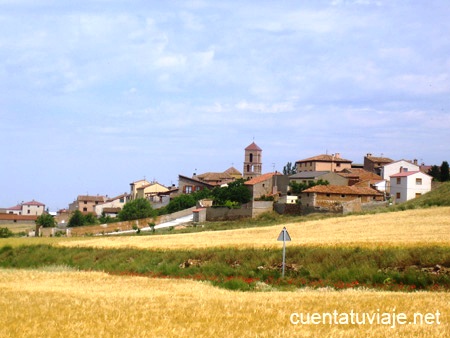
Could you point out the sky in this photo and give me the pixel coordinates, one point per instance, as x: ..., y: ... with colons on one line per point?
x: 97, y: 94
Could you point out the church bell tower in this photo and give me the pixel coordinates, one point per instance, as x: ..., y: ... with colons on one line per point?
x: 252, y: 161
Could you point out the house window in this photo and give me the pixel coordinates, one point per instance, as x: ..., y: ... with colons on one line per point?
x: 399, y: 180
x: 328, y: 195
x: 397, y: 196
x: 85, y: 202
x: 121, y: 200
x: 418, y: 181
x: 188, y: 189
x: 338, y: 164
x: 28, y: 211
x: 418, y: 194
x: 198, y: 188
x: 251, y: 157
x: 85, y: 209
x: 342, y: 195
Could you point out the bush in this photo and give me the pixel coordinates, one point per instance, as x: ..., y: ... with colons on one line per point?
x: 136, y: 209
x: 5, y: 232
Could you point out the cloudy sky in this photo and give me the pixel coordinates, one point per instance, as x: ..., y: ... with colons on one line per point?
x: 97, y: 94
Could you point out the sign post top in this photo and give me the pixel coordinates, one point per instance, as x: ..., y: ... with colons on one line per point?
x: 284, y: 236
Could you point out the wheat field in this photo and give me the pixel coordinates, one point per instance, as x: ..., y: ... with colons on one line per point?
x: 411, y: 227
x: 65, y: 303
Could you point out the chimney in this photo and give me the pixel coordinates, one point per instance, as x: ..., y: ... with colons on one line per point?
x: 369, y: 155
x: 337, y: 155
x: 415, y: 161
x: 401, y: 169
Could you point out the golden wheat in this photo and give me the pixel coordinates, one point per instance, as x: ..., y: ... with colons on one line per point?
x: 412, y: 227
x: 94, y: 304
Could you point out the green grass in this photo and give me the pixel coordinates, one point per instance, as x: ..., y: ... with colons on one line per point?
x: 387, y: 268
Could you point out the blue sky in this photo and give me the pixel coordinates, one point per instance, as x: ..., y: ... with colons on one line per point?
x: 97, y: 94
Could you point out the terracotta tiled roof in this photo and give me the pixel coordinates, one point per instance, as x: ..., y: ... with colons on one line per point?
x: 233, y: 171
x: 405, y: 173
x: 253, y: 146
x: 361, y: 174
x: 33, y: 202
x: 261, y: 178
x: 380, y: 159
x: 91, y: 198
x: 211, y: 176
x: 112, y: 210
x: 343, y: 190
x: 325, y: 158
x: 16, y: 207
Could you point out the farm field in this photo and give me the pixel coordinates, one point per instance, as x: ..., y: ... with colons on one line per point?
x: 411, y: 227
x: 64, y: 303
x: 134, y: 286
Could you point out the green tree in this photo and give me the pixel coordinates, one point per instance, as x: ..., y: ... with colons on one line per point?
x: 435, y: 172
x: 46, y: 220
x: 236, y: 191
x: 289, y: 169
x: 5, y: 232
x: 297, y: 188
x: 90, y: 219
x: 181, y: 202
x: 77, y: 219
x: 136, y: 209
x: 444, y: 172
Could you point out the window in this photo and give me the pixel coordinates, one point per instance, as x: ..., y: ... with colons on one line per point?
x: 338, y: 164
x: 328, y: 195
x: 85, y: 202
x: 397, y: 196
x: 418, y: 181
x: 28, y: 211
x: 85, y: 209
x: 121, y: 200
x: 188, y: 189
x: 342, y: 195
x: 251, y: 157
x: 399, y: 180
x: 418, y: 194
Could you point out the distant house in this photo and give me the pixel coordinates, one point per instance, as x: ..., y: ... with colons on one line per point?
x: 326, y: 162
x: 307, y: 177
x: 134, y: 186
x: 215, y: 178
x: 32, y: 208
x: 407, y: 185
x: 150, y: 191
x: 270, y: 184
x: 86, y: 203
x: 375, y: 164
x: 327, y: 196
x: 112, y: 206
x: 188, y: 185
x: 362, y: 178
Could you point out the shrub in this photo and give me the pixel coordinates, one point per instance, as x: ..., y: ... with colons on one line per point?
x: 5, y: 232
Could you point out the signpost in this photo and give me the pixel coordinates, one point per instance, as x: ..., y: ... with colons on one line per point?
x: 284, y: 236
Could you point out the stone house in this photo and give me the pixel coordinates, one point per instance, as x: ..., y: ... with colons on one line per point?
x: 326, y: 162
x: 87, y: 203
x: 329, y: 196
x: 270, y: 184
x: 375, y: 164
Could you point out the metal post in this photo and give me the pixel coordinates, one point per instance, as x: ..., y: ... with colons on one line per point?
x: 284, y: 255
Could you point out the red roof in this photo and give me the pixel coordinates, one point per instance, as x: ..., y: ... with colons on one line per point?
x: 405, y: 173
x: 344, y: 190
x: 253, y: 146
x: 14, y: 217
x: 325, y: 158
x: 33, y: 202
x: 261, y: 178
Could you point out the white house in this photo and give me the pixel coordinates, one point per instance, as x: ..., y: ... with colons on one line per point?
x: 112, y: 206
x: 407, y: 185
x: 396, y: 167
x: 33, y: 208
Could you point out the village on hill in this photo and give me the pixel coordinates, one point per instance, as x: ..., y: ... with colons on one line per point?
x: 322, y: 183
